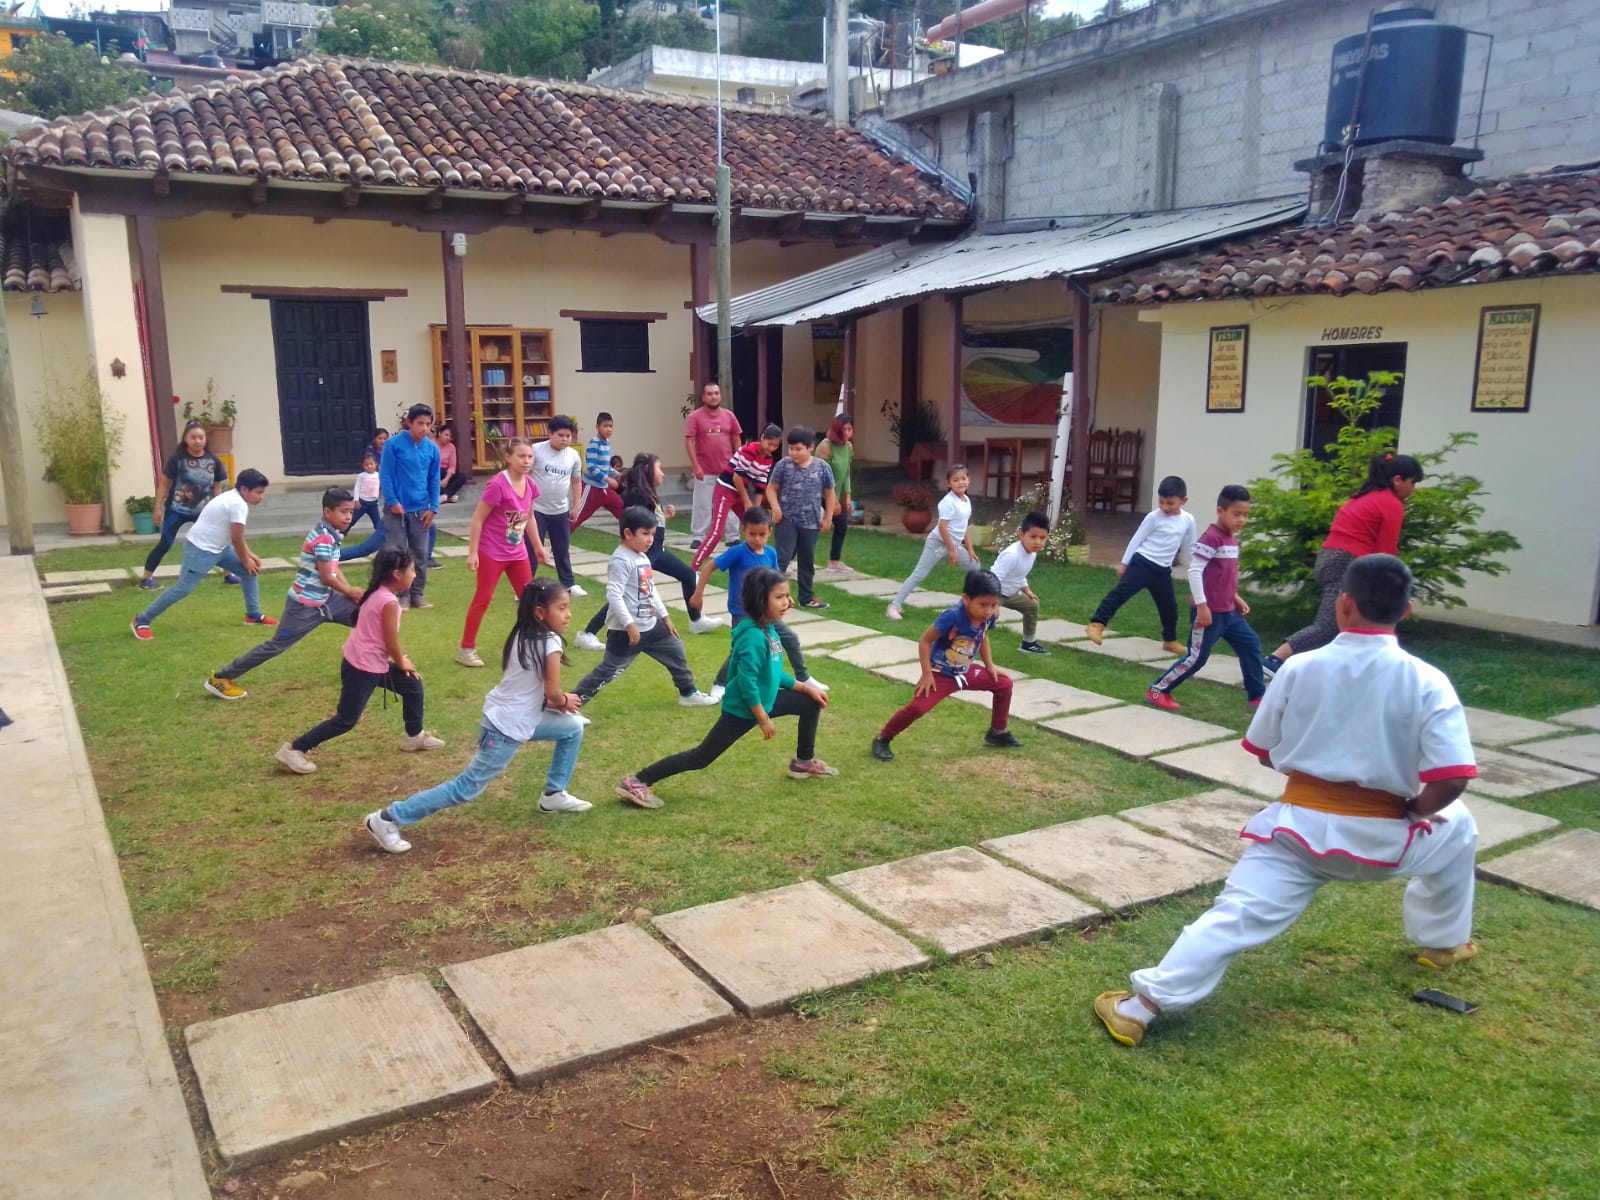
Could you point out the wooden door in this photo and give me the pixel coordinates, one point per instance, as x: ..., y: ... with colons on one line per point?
x: 324, y: 363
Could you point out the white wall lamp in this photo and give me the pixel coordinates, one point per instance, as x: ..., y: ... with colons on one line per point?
x: 458, y: 243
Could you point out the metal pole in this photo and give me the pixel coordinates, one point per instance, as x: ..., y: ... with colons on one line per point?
x: 725, y: 279
x: 839, y: 61
x: 19, y: 518
x: 455, y: 340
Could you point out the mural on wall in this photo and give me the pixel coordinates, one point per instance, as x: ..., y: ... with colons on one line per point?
x: 827, y: 362
x: 1011, y: 374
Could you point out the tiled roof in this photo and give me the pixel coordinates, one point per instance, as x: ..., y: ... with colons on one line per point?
x: 384, y: 124
x: 36, y: 263
x: 1532, y: 225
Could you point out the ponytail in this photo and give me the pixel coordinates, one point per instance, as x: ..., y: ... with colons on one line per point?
x: 386, y: 564
x: 1384, y: 469
x: 528, y: 634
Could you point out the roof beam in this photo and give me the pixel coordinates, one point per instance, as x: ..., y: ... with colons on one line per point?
x: 434, y: 200
x: 258, y: 190
x: 350, y: 197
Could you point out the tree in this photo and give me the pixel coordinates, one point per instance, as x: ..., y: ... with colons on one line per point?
x: 387, y: 31
x: 537, y: 37
x: 1440, y: 540
x: 50, y: 76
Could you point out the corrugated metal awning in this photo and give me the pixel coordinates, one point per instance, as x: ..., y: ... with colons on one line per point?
x: 904, y: 272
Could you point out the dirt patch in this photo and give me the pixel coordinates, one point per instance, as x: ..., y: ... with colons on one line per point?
x: 703, y: 1118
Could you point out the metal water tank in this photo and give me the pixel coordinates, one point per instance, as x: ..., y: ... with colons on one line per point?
x: 1412, y: 87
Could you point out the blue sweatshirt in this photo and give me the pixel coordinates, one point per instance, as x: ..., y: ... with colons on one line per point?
x: 409, y: 473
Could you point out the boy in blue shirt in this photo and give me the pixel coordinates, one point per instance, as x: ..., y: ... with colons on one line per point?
x: 594, y: 486
x: 737, y: 560
x: 957, y: 636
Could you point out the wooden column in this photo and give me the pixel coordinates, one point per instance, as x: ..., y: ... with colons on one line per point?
x: 953, y: 417
x: 455, y: 319
x: 847, y: 384
x: 699, y: 294
x: 155, y: 305
x: 761, y: 336
x: 1082, y: 390
x: 910, y: 363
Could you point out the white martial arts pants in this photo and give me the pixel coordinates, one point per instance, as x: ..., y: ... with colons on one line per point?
x: 700, y: 511
x: 1274, y: 881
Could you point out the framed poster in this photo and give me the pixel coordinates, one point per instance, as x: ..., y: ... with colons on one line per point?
x: 1225, y: 368
x: 1502, y: 380
x: 827, y: 362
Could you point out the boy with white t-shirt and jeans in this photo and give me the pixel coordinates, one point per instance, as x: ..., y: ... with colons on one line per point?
x: 217, y: 537
x: 556, y: 468
x: 1011, y: 568
x: 948, y: 539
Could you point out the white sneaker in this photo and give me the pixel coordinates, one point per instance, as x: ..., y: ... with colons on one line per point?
x: 817, y: 683
x: 696, y: 699
x: 468, y: 657
x: 422, y: 741
x: 717, y: 691
x: 295, y: 760
x: 893, y: 612
x: 588, y: 641
x: 705, y: 624
x: 386, y: 833
x: 562, y: 801
x: 577, y: 591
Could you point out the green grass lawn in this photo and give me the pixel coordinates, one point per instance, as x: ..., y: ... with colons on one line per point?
x: 978, y: 1077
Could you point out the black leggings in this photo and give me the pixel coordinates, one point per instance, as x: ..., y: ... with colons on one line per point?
x: 663, y: 562
x: 729, y: 729
x: 355, y: 689
x: 841, y: 526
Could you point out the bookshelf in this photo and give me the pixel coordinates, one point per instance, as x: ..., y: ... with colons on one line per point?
x: 511, y: 390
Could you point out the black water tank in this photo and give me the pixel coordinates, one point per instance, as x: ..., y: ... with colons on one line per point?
x: 1413, y: 80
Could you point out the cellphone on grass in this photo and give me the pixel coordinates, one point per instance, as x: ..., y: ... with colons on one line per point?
x: 1443, y: 1000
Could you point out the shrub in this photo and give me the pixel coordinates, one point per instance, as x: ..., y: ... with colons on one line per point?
x: 1068, y: 530
x: 920, y: 423
x: 1291, y: 514
x: 78, y: 440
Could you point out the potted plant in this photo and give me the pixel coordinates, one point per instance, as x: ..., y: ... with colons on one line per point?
x: 920, y: 423
x: 215, y: 416
x: 916, y: 506
x: 143, y: 511
x: 79, y: 442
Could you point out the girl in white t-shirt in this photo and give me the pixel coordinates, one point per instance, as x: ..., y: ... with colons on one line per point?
x: 948, y: 539
x: 527, y: 705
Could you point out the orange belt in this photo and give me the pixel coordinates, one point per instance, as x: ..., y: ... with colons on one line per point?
x: 1341, y: 799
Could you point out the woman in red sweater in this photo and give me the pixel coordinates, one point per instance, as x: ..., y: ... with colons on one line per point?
x: 1367, y: 523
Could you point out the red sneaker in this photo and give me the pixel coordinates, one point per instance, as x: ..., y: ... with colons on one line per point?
x: 261, y: 620
x: 1256, y: 703
x: 142, y: 632
x: 1162, y: 700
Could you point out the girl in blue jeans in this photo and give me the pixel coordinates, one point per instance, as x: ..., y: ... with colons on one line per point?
x: 527, y: 705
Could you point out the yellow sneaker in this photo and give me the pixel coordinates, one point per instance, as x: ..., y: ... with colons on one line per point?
x: 225, y: 689
x: 1096, y: 632
x: 1441, y: 958
x: 1173, y: 647
x: 1122, y: 1029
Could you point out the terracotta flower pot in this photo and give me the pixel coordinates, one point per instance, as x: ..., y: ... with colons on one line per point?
x: 84, y: 518
x: 916, y: 520
x: 219, y: 440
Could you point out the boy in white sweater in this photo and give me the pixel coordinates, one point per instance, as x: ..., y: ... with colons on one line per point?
x: 1164, y: 536
x: 1011, y: 569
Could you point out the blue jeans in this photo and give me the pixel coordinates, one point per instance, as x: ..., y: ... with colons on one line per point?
x: 495, y: 751
x: 196, y: 564
x: 1232, y: 628
x: 173, y: 521
x: 374, y: 542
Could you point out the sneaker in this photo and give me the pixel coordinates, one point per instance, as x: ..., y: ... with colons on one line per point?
x: 405, y: 603
x: 577, y: 591
x: 386, y: 833
x: 637, y: 794
x: 295, y: 760
x: 816, y: 604
x: 467, y: 656
x: 1001, y: 739
x: 813, y: 768
x: 1162, y: 700
x: 420, y: 602
x: 881, y: 751
x: 562, y: 801
x: 225, y: 689
x: 149, y: 585
x: 837, y: 566
x: 1439, y: 959
x: 695, y: 545
x: 1256, y: 703
x: 893, y: 612
x: 816, y: 683
x: 695, y: 699
x: 1174, y: 647
x: 260, y: 620
x: 704, y: 624
x: 1096, y: 633
x: 588, y: 641
x: 717, y: 692
x: 1124, y: 1030
x: 1032, y: 648
x: 233, y: 579
x: 1271, y: 664
x: 421, y: 741
x: 142, y: 632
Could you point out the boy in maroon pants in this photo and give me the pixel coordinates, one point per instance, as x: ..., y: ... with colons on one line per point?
x: 957, y: 636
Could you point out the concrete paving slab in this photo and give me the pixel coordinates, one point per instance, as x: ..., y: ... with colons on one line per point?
x: 1498, y: 823
x: 1054, y: 629
x: 168, y: 570
x: 766, y: 949
x: 863, y: 585
x: 879, y: 652
x: 1581, y: 753
x: 1588, y: 718
x: 552, y: 1008
x: 900, y: 672
x: 922, y: 599
x: 799, y: 616
x: 1110, y: 861
x: 828, y: 632
x: 1220, y: 669
x: 1506, y: 776
x: 1137, y: 730
x: 277, y: 564
x: 441, y: 550
x: 1128, y: 649
x: 104, y: 575
x: 1227, y: 763
x: 75, y: 591
x: 962, y: 901
x: 588, y: 558
x: 1566, y: 867
x: 299, y: 1074
x: 1500, y: 729
x: 1210, y: 820
x: 1036, y: 699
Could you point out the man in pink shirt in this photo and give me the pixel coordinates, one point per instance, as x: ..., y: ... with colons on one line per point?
x: 710, y: 435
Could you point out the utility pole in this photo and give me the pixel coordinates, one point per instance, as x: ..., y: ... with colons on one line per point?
x: 724, y: 245
x: 839, y: 61
x: 19, y: 520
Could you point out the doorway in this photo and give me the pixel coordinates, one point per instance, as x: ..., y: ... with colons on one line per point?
x: 1322, y: 423
x: 746, y: 374
x: 324, y: 359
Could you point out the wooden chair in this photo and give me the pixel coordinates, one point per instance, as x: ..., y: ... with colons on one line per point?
x: 1102, y: 482
x: 1002, y: 464
x: 1127, y: 465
